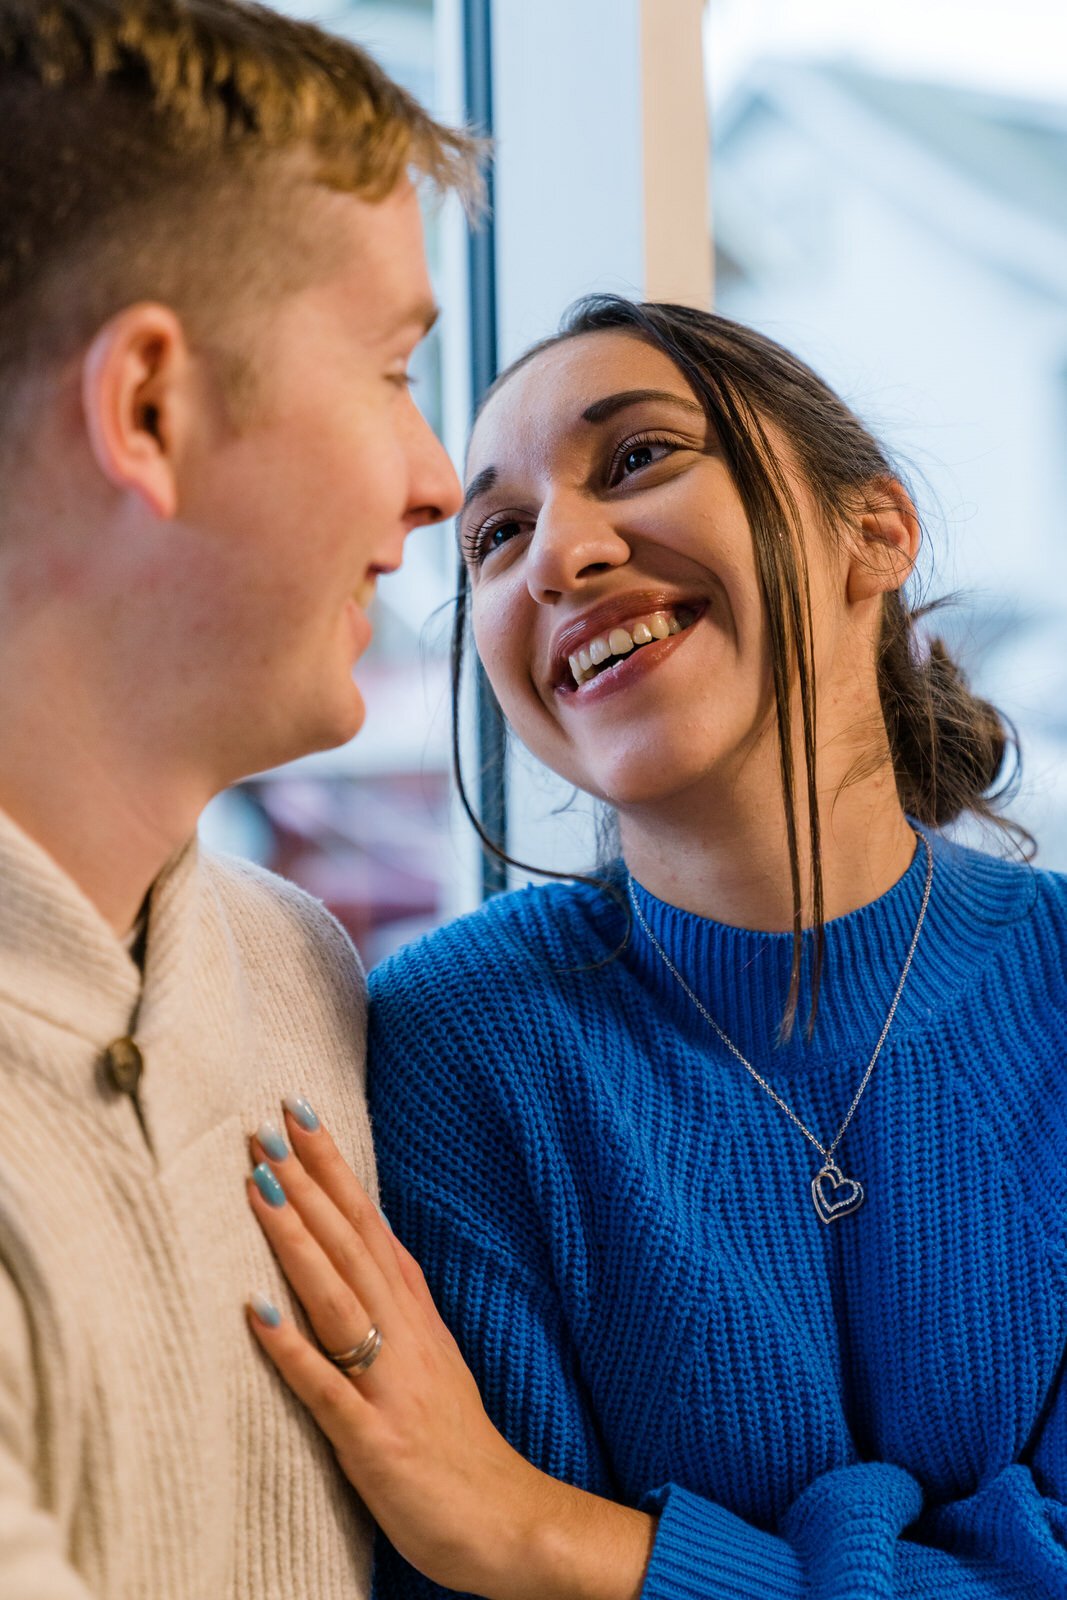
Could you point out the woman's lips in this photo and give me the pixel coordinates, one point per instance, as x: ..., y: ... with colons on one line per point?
x: 626, y: 671
x: 623, y: 613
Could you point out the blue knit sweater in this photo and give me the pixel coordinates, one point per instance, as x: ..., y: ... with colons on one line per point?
x: 617, y: 1223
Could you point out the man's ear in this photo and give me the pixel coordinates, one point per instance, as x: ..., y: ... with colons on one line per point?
x: 886, y: 542
x: 135, y: 390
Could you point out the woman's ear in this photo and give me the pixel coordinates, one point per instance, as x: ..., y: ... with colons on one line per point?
x: 135, y: 391
x: 886, y: 542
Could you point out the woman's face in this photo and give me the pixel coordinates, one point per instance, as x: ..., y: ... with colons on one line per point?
x: 615, y: 600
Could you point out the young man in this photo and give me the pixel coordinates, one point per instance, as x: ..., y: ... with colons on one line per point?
x: 211, y: 282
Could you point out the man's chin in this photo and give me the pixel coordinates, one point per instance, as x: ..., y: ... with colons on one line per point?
x: 317, y: 735
x: 355, y: 721
x: 342, y: 727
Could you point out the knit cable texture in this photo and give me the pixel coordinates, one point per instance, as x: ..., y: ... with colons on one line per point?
x: 617, y: 1223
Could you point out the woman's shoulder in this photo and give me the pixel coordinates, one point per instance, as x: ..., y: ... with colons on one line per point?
x: 470, y: 1017
x: 996, y: 958
x: 1003, y: 892
x: 540, y: 933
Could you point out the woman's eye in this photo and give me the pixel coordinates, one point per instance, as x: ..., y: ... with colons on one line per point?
x: 639, y: 454
x: 481, y: 542
x: 499, y: 535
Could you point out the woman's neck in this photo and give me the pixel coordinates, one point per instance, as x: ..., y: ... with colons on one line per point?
x: 727, y: 858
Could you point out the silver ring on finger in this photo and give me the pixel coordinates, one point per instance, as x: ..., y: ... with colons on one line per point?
x: 356, y: 1361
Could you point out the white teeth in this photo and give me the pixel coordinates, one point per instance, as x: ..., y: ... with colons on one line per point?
x: 621, y: 641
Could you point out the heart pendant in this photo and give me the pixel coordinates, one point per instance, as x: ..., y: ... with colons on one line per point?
x: 835, y: 1195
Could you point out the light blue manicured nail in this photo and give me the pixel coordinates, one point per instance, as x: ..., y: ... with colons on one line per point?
x: 265, y: 1310
x: 302, y: 1109
x: 268, y: 1185
x: 272, y: 1141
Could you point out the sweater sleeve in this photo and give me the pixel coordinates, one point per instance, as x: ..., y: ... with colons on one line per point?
x: 33, y: 1565
x: 452, y: 1187
x: 860, y: 1533
x: 509, y: 1326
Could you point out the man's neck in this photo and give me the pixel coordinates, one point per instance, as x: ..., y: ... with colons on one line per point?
x: 94, y: 762
x: 102, y: 824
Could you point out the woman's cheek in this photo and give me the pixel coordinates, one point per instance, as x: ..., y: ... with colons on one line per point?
x: 499, y: 641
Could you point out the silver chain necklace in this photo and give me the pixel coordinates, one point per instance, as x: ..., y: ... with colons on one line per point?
x: 835, y: 1196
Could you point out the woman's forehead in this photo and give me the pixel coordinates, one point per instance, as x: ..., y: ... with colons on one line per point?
x: 549, y: 394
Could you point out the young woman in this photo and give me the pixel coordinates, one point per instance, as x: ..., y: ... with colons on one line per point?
x: 739, y: 1173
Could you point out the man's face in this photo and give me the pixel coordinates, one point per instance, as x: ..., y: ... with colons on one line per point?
x: 287, y: 521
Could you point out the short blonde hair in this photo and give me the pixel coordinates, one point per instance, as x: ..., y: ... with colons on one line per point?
x: 155, y: 149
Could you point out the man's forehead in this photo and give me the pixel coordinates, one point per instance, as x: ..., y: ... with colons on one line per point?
x: 382, y: 267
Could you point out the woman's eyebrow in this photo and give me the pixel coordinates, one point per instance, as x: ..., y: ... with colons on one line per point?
x: 601, y: 410
x: 479, y: 484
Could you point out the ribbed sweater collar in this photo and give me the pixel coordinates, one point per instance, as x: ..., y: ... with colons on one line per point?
x: 59, y: 959
x: 742, y: 976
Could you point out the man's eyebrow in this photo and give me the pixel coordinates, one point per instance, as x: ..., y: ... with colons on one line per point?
x: 601, y: 410
x: 423, y: 314
x: 427, y: 314
x: 479, y: 484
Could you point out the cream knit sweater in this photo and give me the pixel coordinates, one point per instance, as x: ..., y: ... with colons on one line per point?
x: 147, y: 1452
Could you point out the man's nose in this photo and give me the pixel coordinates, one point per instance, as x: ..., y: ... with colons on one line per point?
x: 436, y: 492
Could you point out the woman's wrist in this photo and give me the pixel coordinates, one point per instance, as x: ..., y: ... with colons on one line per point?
x: 562, y: 1543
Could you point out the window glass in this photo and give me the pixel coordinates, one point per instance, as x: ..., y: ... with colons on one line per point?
x: 890, y: 200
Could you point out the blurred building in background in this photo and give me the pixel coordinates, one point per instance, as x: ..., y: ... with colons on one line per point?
x: 909, y: 239
x: 902, y: 230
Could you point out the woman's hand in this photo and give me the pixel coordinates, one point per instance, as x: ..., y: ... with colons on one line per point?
x: 410, y: 1431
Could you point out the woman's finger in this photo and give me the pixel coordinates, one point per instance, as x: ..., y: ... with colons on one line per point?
x: 323, y: 1162
x: 343, y: 1244
x: 340, y: 1318
x: 333, y: 1400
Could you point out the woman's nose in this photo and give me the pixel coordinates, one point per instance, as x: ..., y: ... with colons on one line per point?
x: 571, y: 544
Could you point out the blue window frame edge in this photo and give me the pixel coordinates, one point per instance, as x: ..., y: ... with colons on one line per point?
x: 482, y: 291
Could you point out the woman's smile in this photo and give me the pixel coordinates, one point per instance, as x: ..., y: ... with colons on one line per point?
x: 597, y: 647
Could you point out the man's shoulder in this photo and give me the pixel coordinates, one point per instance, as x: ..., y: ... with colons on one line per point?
x: 278, y: 925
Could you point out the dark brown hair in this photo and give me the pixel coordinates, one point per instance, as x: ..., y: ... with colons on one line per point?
x: 948, y: 747
x: 152, y: 149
